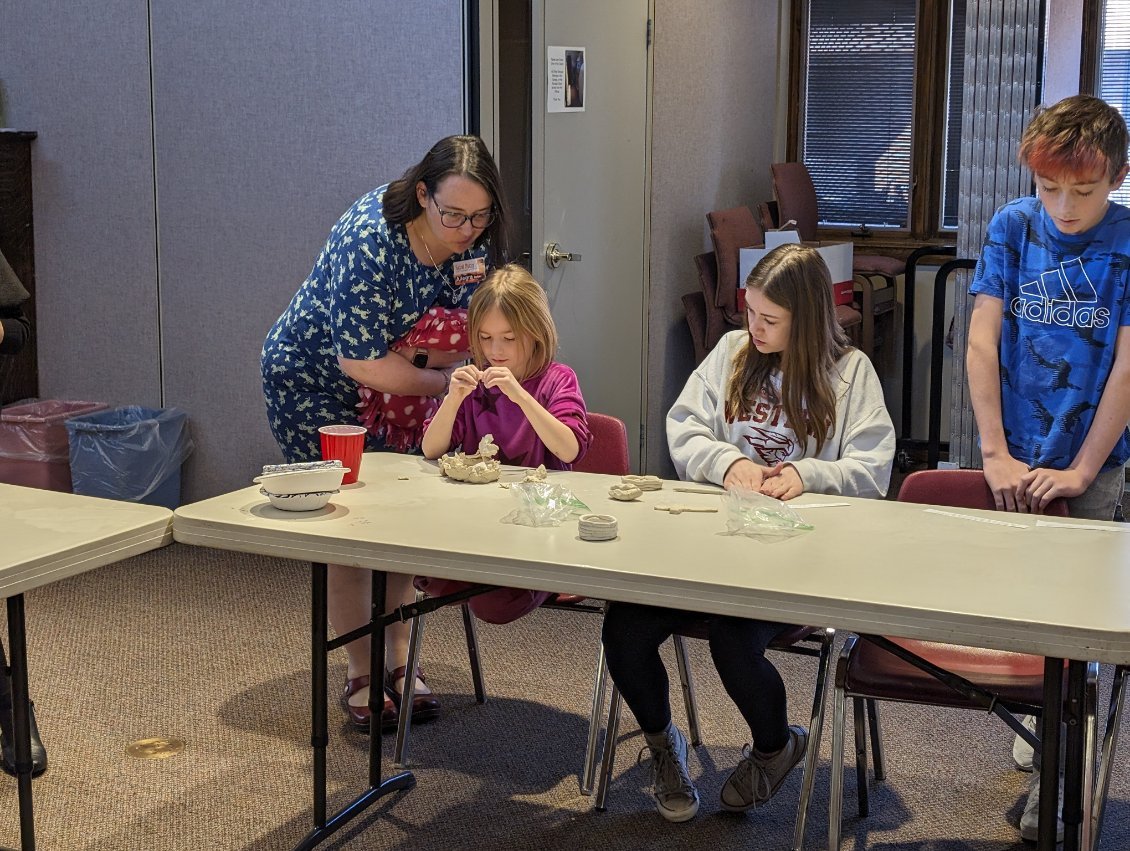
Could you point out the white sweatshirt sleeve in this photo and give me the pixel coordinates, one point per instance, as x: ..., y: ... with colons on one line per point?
x: 857, y: 459
x: 697, y: 433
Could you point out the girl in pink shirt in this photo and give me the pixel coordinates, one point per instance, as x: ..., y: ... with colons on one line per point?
x: 514, y: 391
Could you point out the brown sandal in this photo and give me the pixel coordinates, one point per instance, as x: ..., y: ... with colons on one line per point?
x: 425, y: 707
x: 359, y: 715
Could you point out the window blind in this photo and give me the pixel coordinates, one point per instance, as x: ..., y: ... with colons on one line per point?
x: 1114, y: 71
x: 859, y: 109
x: 954, y: 76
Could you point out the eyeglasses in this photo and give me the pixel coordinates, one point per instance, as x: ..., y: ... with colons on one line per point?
x: 452, y: 219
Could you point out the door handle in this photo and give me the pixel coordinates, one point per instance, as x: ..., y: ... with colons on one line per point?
x: 554, y: 256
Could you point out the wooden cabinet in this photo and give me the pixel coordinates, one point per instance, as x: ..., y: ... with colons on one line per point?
x: 18, y: 375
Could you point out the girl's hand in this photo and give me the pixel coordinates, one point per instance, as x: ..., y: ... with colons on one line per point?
x: 502, y: 378
x: 463, y: 381
x: 744, y: 474
x: 782, y: 482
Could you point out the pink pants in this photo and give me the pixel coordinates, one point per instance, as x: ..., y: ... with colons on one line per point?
x: 502, y: 605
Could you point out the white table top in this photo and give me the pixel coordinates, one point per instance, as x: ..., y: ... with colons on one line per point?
x: 871, y: 566
x: 46, y: 536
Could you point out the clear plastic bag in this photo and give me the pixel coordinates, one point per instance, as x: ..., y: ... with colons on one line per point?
x: 756, y: 515
x: 543, y: 504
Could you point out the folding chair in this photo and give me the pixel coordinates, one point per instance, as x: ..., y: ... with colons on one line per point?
x: 866, y: 673
x: 608, y: 454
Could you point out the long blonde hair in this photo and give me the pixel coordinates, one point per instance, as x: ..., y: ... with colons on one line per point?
x: 523, y: 302
x: 796, y: 278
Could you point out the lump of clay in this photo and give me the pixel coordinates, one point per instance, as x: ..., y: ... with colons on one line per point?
x: 644, y: 483
x: 625, y: 493
x: 477, y: 469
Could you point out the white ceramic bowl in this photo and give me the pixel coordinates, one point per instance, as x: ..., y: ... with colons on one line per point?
x: 317, y: 480
x: 298, y: 501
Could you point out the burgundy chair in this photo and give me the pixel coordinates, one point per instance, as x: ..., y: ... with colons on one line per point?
x: 695, y: 309
x: 708, y: 322
x: 804, y: 640
x: 796, y: 200
x: 730, y: 231
x: 867, y: 673
x: 608, y: 453
x: 768, y: 215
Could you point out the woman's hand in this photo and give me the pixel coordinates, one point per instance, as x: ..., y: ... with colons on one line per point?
x: 438, y: 359
x: 782, y: 482
x: 463, y: 381
x: 502, y: 378
x: 744, y: 474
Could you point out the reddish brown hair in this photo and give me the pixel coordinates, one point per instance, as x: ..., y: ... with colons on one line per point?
x: 1080, y: 136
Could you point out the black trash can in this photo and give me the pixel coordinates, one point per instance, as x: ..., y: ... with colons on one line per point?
x: 131, y: 453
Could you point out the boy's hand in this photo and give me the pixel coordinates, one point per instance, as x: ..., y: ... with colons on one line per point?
x: 1040, y: 486
x: 1003, y: 476
x: 782, y: 482
x: 463, y: 381
x: 744, y: 474
x: 502, y: 378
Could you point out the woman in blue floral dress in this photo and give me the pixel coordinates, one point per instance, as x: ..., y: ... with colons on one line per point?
x: 425, y: 239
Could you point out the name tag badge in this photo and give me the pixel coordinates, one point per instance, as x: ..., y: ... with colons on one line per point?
x: 469, y: 272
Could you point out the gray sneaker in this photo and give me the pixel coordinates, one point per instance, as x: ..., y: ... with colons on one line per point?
x: 758, y: 776
x: 675, y: 795
x: 1022, y: 751
x: 1030, y: 820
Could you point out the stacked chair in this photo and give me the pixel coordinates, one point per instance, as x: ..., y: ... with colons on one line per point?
x: 796, y: 201
x: 718, y: 307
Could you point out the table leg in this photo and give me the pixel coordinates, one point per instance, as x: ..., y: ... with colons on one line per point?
x: 21, y: 717
x: 323, y: 827
x: 319, y: 732
x: 1049, y: 753
x: 1073, y: 778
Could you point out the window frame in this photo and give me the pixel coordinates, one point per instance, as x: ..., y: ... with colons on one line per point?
x: 927, y: 165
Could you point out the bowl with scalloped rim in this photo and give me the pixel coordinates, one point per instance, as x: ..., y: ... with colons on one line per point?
x: 301, y: 479
x: 298, y: 501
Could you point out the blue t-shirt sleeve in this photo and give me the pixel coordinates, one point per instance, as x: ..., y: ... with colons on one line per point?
x: 988, y: 277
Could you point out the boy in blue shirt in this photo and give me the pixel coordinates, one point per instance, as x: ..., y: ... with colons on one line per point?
x: 1048, y: 359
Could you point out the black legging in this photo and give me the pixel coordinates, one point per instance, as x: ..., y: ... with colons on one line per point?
x: 632, y: 635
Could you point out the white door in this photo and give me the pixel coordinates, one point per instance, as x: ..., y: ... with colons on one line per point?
x: 589, y: 176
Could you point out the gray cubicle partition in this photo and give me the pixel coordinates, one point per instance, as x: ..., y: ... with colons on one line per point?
x: 190, y: 162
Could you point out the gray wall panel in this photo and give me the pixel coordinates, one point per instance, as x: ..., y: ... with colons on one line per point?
x: 269, y: 121
x: 714, y: 97
x: 79, y: 75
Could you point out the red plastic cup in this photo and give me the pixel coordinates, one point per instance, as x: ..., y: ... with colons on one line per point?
x: 344, y: 443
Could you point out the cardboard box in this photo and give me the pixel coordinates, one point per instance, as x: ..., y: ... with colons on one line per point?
x: 838, y: 256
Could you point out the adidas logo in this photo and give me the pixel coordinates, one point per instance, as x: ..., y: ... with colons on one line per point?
x: 1064, y: 296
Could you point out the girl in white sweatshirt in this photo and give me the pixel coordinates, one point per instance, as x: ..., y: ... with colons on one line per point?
x: 785, y: 408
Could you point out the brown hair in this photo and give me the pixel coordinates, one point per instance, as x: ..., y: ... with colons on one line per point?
x: 523, y: 302
x: 1078, y: 136
x: 796, y: 278
x: 466, y: 156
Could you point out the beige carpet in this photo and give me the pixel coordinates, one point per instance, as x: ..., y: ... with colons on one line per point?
x: 212, y: 648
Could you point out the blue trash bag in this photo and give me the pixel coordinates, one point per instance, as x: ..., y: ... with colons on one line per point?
x: 131, y: 453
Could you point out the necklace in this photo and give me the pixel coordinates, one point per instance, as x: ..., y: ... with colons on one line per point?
x: 435, y: 265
